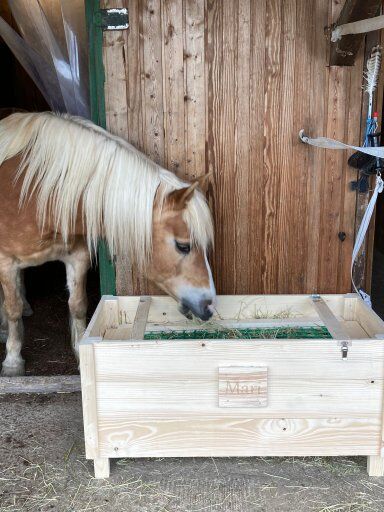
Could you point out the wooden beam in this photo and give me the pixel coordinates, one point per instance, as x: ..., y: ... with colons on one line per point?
x: 41, y: 384
x: 330, y: 321
x: 140, y: 322
x: 343, y: 52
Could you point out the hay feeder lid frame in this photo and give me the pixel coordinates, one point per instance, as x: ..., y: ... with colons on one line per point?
x: 233, y: 397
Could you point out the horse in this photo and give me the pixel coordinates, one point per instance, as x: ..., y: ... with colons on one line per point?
x: 66, y: 183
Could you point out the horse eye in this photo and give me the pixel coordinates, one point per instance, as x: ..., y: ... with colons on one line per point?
x: 183, y: 248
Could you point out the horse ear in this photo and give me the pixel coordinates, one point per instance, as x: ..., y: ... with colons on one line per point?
x: 181, y: 196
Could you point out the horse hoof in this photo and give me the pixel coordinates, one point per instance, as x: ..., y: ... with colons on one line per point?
x: 13, y: 371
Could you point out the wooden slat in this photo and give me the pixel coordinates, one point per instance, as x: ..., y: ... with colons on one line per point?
x: 295, y: 397
x: 285, y: 115
x: 213, y: 64
x: 190, y: 358
x: 40, y: 385
x: 164, y: 309
x: 227, y: 191
x: 153, y: 84
x: 316, y: 156
x: 88, y: 392
x: 173, y: 84
x: 331, y: 322
x: 242, y: 140
x: 185, y: 435
x: 369, y: 320
x: 271, y: 186
x: 375, y: 465
x: 194, y: 88
x: 332, y: 192
x: 348, y: 213
x: 140, y: 321
x: 117, y: 115
x: 256, y: 178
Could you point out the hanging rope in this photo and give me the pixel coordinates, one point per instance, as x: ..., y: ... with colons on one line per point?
x: 323, y: 142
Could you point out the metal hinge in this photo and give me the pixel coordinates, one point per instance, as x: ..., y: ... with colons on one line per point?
x: 344, y: 348
x: 114, y: 19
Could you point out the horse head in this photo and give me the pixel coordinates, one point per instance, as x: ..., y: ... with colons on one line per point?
x: 179, y: 264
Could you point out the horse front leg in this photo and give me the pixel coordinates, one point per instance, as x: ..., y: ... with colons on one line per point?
x: 3, y: 318
x: 77, y: 263
x: 27, y: 310
x: 13, y: 364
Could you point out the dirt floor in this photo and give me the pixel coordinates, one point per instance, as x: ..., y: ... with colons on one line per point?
x: 42, y: 468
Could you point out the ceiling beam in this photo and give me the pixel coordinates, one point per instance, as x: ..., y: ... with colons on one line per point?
x: 344, y: 51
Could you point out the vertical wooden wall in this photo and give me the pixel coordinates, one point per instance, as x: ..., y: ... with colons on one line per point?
x: 225, y: 86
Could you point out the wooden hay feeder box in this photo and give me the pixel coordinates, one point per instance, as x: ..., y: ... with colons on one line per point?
x: 233, y: 397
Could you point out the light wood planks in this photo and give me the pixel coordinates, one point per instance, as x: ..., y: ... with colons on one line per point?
x: 185, y: 435
x: 101, y: 467
x: 140, y: 321
x: 331, y: 322
x: 375, y: 465
x: 263, y: 397
x: 243, y: 386
x: 305, y: 378
x: 225, y: 87
x: 88, y: 391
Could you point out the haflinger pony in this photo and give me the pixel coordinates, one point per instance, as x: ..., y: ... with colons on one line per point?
x: 64, y: 184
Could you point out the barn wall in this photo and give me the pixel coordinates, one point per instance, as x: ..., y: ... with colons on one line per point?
x: 225, y: 86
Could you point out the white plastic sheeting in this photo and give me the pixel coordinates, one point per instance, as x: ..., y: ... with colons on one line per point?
x: 52, y: 47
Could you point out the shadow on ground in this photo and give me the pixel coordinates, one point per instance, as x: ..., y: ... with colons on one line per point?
x: 42, y: 468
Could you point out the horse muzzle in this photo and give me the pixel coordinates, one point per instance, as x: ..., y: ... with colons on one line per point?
x: 203, y: 308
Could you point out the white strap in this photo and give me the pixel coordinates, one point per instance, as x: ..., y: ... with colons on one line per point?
x: 357, y: 27
x: 364, y: 227
x: 323, y: 142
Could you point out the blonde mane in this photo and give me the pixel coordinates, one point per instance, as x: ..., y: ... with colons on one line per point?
x: 69, y: 161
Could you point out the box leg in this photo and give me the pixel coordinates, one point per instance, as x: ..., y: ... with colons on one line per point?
x: 375, y: 465
x: 101, y: 468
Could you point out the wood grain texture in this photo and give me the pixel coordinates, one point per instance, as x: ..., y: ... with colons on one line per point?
x: 173, y: 83
x: 184, y: 435
x: 330, y: 321
x: 305, y: 378
x: 243, y: 386
x: 194, y: 88
x: 141, y: 317
x: 88, y: 392
x: 262, y: 397
x: 41, y: 385
x: 226, y: 87
x: 375, y: 465
x: 101, y: 467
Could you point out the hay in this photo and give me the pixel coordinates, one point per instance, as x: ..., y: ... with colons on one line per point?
x: 315, y: 332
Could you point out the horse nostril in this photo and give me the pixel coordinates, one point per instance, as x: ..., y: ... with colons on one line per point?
x: 206, y: 303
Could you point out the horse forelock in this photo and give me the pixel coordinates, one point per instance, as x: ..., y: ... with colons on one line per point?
x: 68, y: 161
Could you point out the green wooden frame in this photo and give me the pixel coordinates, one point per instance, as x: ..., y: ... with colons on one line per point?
x: 97, y: 98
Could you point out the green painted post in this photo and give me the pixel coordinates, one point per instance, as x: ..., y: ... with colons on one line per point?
x: 96, y: 91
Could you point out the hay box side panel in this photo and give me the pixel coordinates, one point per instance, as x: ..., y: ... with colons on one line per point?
x: 233, y: 397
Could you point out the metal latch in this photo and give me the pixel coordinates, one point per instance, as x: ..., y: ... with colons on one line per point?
x: 344, y: 348
x: 114, y: 19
